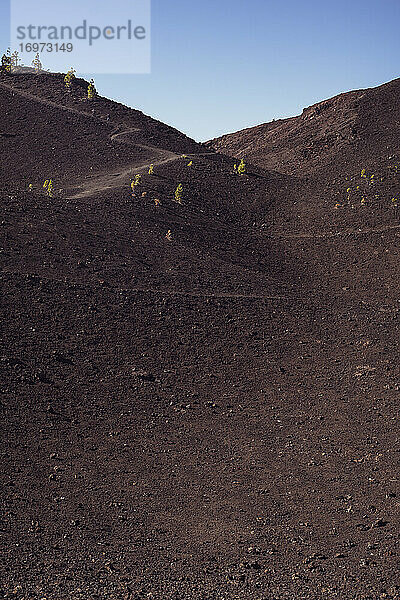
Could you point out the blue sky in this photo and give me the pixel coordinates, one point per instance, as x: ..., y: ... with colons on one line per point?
x: 222, y: 65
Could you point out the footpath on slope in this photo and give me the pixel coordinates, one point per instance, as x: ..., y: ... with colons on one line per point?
x: 160, y: 156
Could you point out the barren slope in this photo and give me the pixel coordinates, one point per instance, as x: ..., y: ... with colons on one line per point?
x: 329, y: 131
x: 214, y: 416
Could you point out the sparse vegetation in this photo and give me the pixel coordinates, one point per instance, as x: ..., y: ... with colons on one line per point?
x: 36, y: 63
x: 14, y: 59
x: 92, y: 92
x: 169, y: 235
x: 135, y: 182
x: 241, y: 169
x: 48, y: 186
x: 6, y: 62
x: 361, y: 193
x: 179, y: 194
x: 69, y: 78
x: 151, y: 169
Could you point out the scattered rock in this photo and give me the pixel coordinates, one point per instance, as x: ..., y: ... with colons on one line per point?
x: 380, y: 523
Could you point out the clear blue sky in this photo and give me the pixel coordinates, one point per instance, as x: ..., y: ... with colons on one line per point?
x: 222, y: 65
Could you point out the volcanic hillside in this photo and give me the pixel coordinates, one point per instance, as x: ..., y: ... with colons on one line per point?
x: 364, y: 123
x: 70, y: 137
x: 200, y: 394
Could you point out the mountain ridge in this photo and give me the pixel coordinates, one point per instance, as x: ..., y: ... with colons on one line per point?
x: 298, y: 145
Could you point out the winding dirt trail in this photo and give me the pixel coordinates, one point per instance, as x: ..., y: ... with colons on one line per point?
x: 96, y: 184
x: 161, y: 291
x: 158, y: 156
x: 100, y: 183
x: 46, y: 102
x: 346, y: 232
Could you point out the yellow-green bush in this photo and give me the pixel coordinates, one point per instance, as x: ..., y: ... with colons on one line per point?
x: 69, y: 78
x: 179, y: 194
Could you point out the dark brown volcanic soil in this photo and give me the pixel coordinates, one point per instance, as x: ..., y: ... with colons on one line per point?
x: 348, y: 125
x: 214, y: 417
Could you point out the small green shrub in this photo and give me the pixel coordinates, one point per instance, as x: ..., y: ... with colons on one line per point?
x: 69, y: 78
x: 242, y: 168
x: 6, y: 62
x: 179, y: 194
x: 36, y: 63
x: 92, y: 92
